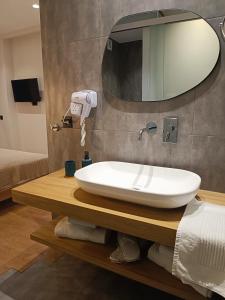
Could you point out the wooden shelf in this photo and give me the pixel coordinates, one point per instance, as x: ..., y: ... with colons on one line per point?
x: 144, y: 271
x: 63, y: 196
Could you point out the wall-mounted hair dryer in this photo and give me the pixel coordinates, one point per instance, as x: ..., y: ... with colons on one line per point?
x: 81, y: 104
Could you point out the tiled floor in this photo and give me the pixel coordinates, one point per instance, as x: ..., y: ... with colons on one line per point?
x: 4, y: 296
x: 68, y: 279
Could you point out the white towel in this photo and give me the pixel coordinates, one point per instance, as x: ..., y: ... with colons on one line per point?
x: 163, y: 256
x: 82, y: 223
x: 199, y: 255
x: 165, y: 260
x: 66, y: 229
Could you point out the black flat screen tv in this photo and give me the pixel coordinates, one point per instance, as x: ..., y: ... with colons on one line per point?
x: 26, y: 90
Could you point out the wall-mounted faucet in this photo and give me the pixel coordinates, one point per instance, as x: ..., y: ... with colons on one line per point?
x: 151, y: 127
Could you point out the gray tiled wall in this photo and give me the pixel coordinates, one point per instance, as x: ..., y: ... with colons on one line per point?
x: 74, y: 33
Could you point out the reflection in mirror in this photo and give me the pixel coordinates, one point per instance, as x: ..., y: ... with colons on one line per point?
x: 222, y: 27
x: 158, y: 55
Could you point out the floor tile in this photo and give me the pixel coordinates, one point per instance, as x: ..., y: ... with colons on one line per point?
x: 69, y: 278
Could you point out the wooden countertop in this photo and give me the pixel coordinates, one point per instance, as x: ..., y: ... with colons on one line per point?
x: 63, y: 196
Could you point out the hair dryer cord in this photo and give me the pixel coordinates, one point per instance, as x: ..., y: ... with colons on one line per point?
x: 83, y: 134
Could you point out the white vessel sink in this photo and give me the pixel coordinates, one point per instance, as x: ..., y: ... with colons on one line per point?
x: 141, y: 184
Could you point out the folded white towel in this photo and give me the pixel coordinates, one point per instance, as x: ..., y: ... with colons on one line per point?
x: 66, y: 229
x: 128, y: 249
x: 163, y: 256
x: 79, y: 222
x: 199, y: 255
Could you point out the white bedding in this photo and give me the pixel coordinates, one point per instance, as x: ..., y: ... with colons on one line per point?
x: 17, y: 167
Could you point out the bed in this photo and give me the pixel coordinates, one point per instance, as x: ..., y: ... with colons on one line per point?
x: 17, y: 167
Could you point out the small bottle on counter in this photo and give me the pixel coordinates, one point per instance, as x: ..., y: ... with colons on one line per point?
x: 87, y: 160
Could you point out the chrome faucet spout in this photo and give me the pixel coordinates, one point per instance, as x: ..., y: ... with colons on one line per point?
x: 140, y: 133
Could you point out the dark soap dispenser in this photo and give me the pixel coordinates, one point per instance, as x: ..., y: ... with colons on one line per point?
x: 87, y: 160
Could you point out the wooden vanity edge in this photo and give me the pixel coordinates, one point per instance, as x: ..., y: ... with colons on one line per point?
x: 160, y: 234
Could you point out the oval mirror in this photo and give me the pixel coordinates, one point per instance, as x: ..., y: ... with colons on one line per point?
x: 158, y: 55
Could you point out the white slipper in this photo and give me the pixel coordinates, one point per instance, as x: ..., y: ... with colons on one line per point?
x: 127, y: 251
